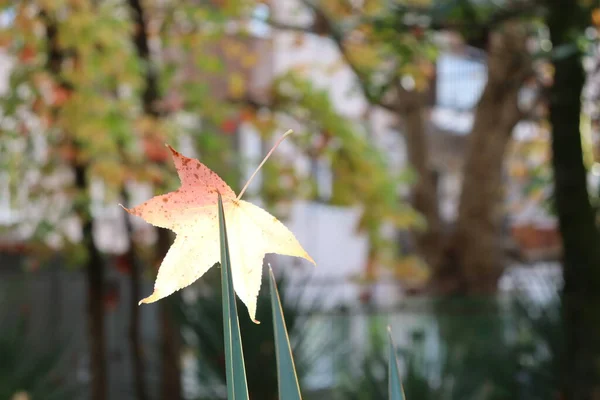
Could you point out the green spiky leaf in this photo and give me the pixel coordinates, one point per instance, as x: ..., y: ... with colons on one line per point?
x: 394, y: 383
x: 237, y: 386
x: 289, y: 388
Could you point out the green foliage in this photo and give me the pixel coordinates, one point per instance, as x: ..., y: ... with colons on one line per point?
x: 28, y: 364
x: 85, y: 86
x: 362, y: 175
x: 71, y: 101
x: 470, y: 367
x: 522, y: 363
x: 370, y: 379
x: 23, y: 370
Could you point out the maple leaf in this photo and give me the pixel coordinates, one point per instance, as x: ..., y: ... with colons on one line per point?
x: 192, y: 213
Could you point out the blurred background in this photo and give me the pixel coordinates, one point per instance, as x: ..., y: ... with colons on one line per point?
x: 444, y: 174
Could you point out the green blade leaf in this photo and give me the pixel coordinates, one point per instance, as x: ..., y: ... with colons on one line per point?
x: 394, y: 383
x: 287, y: 379
x: 237, y: 387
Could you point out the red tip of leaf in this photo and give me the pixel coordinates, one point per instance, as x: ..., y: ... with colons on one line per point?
x: 27, y: 54
x: 174, y: 152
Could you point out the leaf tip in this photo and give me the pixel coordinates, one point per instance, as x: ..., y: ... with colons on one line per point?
x: 151, y: 299
x: 173, y: 151
x: 310, y: 259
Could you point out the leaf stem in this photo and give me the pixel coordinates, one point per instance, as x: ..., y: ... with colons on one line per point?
x: 289, y: 132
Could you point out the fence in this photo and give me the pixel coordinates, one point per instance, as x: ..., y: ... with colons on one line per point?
x: 341, y: 341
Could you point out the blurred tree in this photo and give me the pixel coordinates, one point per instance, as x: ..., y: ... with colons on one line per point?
x: 392, y: 60
x: 94, y: 264
x: 477, y: 238
x: 92, y: 102
x: 180, y: 72
x: 103, y: 84
x: 567, y: 22
x: 66, y: 109
x: 169, y: 342
x: 361, y: 173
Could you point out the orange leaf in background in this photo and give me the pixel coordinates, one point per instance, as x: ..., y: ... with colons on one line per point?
x: 247, y: 115
x: 596, y: 17
x: 27, y: 54
x: 192, y: 213
x: 229, y: 126
x: 67, y: 152
x: 5, y: 40
x: 60, y: 96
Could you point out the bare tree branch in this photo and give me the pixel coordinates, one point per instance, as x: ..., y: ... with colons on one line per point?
x: 250, y: 102
x: 328, y: 28
x: 470, y: 20
x: 323, y: 25
x: 289, y: 27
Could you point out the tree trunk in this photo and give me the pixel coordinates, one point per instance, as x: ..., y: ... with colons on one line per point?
x: 94, y: 268
x: 424, y: 197
x: 170, y: 336
x: 581, y: 254
x: 95, y: 302
x: 140, y: 40
x: 470, y: 260
x: 475, y: 257
x: 170, y: 343
x: 135, y: 343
